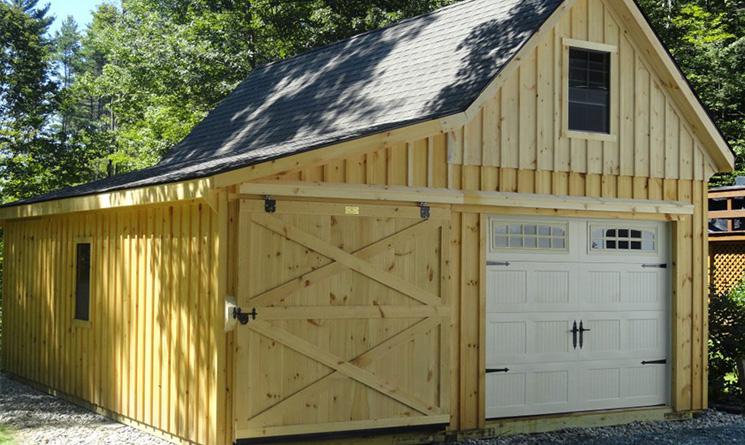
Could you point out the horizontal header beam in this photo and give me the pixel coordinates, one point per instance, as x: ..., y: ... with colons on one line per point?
x: 455, y: 197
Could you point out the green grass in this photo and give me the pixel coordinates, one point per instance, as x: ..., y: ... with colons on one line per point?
x: 5, y: 437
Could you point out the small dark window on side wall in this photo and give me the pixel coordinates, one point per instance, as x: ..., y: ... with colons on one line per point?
x: 589, y: 91
x: 83, y: 281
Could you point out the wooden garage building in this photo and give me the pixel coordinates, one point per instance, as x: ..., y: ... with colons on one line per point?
x: 491, y: 213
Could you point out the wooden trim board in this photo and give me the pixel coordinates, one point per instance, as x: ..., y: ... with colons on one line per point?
x: 166, y: 193
x: 543, y: 424
x: 475, y: 198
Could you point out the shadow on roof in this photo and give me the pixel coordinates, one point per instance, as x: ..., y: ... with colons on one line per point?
x: 481, y: 61
x: 301, y: 98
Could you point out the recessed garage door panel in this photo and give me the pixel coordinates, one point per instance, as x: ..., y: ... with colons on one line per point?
x: 623, y: 335
x: 532, y: 389
x: 532, y: 286
x: 528, y: 338
x: 620, y: 384
x: 619, y: 286
x: 576, y: 324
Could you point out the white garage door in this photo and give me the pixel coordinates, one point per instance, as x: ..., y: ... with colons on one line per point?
x: 577, y: 315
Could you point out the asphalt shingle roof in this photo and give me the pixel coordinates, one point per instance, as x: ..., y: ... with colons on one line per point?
x: 416, y: 70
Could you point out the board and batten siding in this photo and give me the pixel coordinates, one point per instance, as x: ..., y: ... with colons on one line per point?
x: 152, y: 351
x: 522, y: 127
x: 468, y: 258
x: 516, y: 143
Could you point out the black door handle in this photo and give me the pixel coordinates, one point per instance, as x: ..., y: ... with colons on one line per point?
x: 582, y: 331
x: 574, y: 334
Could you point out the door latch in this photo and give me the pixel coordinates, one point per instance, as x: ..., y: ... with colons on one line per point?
x: 244, y: 317
x: 492, y: 371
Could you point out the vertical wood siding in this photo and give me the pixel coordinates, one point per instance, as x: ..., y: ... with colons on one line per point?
x: 155, y: 352
x: 522, y: 126
x: 505, y: 148
x: 690, y: 324
x: 150, y: 352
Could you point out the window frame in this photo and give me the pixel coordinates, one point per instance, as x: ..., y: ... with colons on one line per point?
x: 592, y: 226
x: 76, y: 321
x: 494, y: 222
x: 612, y: 135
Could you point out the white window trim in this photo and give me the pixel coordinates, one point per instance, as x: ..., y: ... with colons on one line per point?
x: 614, y: 90
x: 595, y: 226
x: 494, y: 222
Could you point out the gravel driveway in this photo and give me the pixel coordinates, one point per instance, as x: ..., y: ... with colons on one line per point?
x: 34, y: 417
x: 37, y: 418
x: 709, y: 428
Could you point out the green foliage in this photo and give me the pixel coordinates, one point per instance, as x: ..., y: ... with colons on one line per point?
x: 726, y: 344
x: 117, y: 95
x: 27, y: 100
x: 5, y: 436
x: 707, y: 39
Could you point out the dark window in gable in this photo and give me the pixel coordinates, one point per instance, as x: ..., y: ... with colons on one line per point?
x: 589, y: 91
x: 83, y: 281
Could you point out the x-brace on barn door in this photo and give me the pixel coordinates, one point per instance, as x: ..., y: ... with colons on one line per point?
x: 353, y: 318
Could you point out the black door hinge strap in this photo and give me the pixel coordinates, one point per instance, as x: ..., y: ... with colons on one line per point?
x: 424, y: 210
x: 270, y: 205
x: 654, y: 362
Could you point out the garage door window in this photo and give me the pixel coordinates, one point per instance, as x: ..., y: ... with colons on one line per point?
x: 528, y: 236
x: 623, y: 239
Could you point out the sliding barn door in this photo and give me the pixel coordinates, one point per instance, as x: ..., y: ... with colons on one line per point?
x: 352, y: 318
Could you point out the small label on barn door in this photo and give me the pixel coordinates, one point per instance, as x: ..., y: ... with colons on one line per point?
x: 352, y: 210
